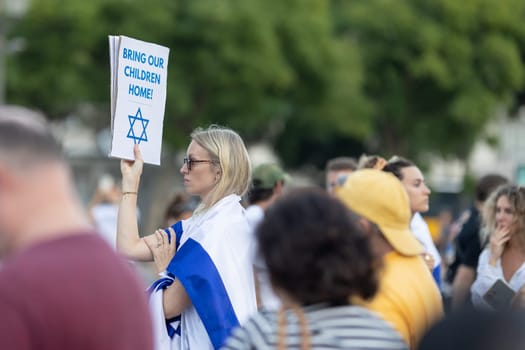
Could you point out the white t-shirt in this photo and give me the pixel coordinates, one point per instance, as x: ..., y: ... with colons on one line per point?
x: 267, y: 297
x: 419, y: 228
x: 105, y: 216
x: 487, y: 275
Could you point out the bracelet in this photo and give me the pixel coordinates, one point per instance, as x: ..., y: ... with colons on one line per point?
x: 128, y: 192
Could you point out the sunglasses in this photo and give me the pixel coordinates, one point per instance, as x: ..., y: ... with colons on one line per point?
x: 191, y: 162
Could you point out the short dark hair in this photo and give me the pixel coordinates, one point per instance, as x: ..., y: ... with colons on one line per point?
x: 395, y: 164
x: 26, y: 138
x: 487, y: 184
x: 257, y: 194
x: 314, y: 250
x: 341, y: 163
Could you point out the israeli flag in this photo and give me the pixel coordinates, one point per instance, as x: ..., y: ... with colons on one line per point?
x: 214, y: 264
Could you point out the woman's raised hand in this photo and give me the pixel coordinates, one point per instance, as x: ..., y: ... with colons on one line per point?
x: 497, y: 243
x: 131, y: 171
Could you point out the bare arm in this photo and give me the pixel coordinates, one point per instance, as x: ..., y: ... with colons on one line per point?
x: 128, y: 241
x: 175, y: 300
x: 463, y: 280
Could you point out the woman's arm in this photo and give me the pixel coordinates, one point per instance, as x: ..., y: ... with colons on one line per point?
x: 175, y: 300
x: 128, y: 241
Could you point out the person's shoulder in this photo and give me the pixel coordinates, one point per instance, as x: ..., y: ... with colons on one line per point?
x: 247, y: 336
x: 227, y: 217
x: 400, y: 270
x: 331, y: 322
x: 484, y: 256
x: 254, y: 214
x: 254, y: 210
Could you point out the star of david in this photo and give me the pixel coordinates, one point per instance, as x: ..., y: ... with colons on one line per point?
x: 131, y: 132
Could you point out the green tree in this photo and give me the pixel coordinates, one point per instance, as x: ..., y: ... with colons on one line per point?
x: 65, y: 62
x: 437, y: 70
x: 316, y: 78
x: 261, y: 67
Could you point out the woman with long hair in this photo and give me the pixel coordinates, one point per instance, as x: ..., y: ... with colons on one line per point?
x: 503, y: 259
x: 207, y: 287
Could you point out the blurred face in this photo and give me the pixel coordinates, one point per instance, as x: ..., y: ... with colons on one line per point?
x: 504, y: 213
x: 332, y: 178
x: 203, y: 176
x: 418, y: 192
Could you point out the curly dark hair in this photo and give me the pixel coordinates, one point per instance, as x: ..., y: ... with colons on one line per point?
x: 315, y: 251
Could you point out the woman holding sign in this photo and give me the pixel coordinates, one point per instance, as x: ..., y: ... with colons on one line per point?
x: 501, y: 267
x: 207, y: 286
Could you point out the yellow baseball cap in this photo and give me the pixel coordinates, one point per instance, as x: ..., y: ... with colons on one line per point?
x: 381, y: 198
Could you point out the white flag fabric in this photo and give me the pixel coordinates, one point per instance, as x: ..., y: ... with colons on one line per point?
x: 214, y: 264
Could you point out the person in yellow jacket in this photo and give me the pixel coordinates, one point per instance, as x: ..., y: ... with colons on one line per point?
x: 408, y: 297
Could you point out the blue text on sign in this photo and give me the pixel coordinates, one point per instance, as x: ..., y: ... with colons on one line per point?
x: 140, y: 91
x: 138, y: 56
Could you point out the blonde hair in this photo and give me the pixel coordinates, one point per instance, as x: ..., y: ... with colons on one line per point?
x: 371, y: 162
x: 226, y: 148
x: 516, y: 196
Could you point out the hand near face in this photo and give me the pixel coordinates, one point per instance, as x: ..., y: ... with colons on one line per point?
x: 132, y: 170
x: 497, y: 243
x: 162, y: 248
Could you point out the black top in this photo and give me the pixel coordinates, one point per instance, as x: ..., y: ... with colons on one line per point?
x: 467, y: 243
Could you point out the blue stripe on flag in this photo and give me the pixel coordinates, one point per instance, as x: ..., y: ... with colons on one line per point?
x: 161, y: 283
x: 436, y: 273
x: 177, y: 227
x: 196, y: 271
x: 173, y: 324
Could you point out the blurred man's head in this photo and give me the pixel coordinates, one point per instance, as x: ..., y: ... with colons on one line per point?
x: 487, y: 184
x: 380, y: 198
x: 268, y: 180
x: 36, y: 192
x: 336, y: 170
x: 25, y: 139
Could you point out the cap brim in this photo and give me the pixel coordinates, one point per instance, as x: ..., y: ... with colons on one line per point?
x: 403, y: 241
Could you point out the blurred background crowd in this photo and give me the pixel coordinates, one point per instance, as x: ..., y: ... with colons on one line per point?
x: 439, y: 82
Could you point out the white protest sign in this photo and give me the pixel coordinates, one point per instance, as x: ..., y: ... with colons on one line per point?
x: 139, y: 72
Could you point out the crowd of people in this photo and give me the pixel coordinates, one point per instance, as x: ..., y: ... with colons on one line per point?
x: 245, y: 260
